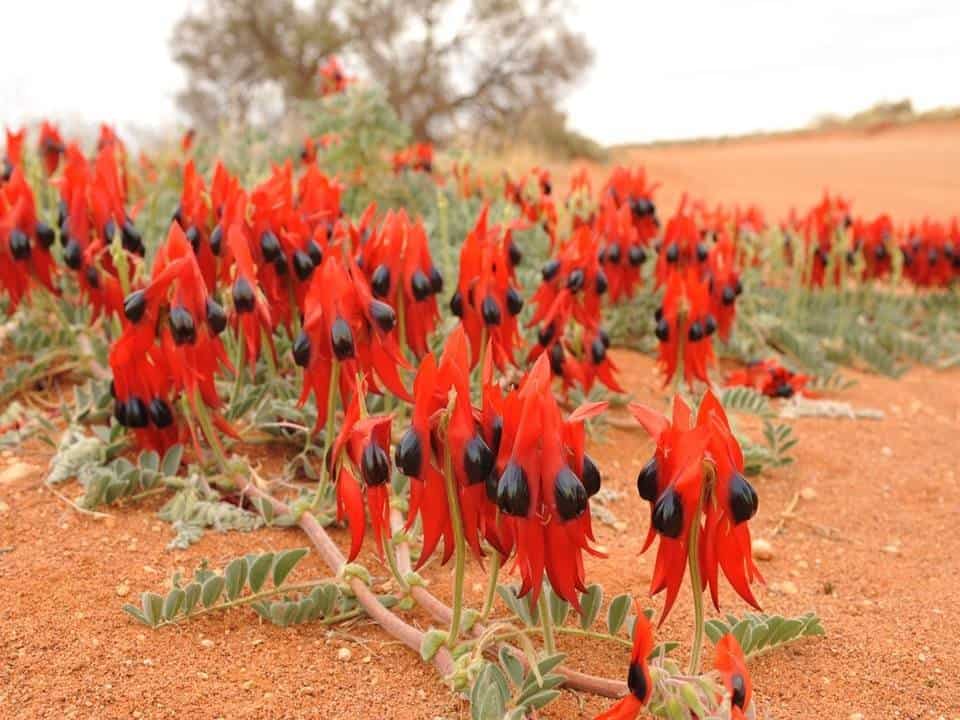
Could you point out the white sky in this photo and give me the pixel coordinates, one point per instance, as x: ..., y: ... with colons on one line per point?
x: 663, y: 69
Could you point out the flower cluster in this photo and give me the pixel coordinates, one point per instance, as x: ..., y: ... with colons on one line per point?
x: 574, y: 283
x: 699, y: 500
x: 416, y: 158
x: 770, y: 378
x: 25, y: 242
x: 487, y: 298
x: 533, y: 195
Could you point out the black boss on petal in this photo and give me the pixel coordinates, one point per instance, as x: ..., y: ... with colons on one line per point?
x: 637, y: 682
x: 243, y: 300
x: 301, y: 349
x: 496, y: 434
x: 182, y: 326
x: 315, y: 253
x: 380, y: 281
x: 92, y: 276
x: 160, y: 413
x: 134, y: 305
x: 409, y: 454
x: 637, y: 255
x: 673, y: 253
x: 456, y: 304
x: 604, y: 338
x: 280, y: 264
x: 702, y: 252
x: 137, y: 416
x: 550, y: 269
x: 613, y: 254
x: 269, y: 246
x: 710, y: 325
x: 383, y: 315
x: 19, y: 244
x: 513, y: 491
x: 728, y: 295
x: 598, y: 351
x: 738, y: 288
x: 73, y: 254
x: 341, y: 339
x: 374, y: 465
x: 420, y: 286
x: 193, y: 235
x: 436, y: 281
x: 556, y: 359
x: 738, y: 693
x: 570, y: 495
x: 120, y: 412
x: 216, y: 240
x: 514, y: 301
x: 743, y: 499
x: 514, y: 254
x: 45, y: 234
x: 545, y: 334
x: 490, y: 311
x: 591, y: 476
x: 478, y: 460
x: 647, y: 480
x: 695, y: 333
x: 658, y: 313
x: 663, y: 330
x: 302, y: 265
x: 668, y: 514
x: 783, y: 390
x: 600, y: 282
x: 216, y: 317
x: 575, y: 280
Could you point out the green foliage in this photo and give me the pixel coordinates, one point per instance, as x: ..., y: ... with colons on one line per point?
x: 758, y: 632
x: 778, y: 441
x: 506, y: 690
x: 105, y: 484
x: 196, y: 507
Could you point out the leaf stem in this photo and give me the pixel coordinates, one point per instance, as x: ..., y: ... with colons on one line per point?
x: 491, y: 586
x: 459, y: 550
x: 546, y: 623
x: 328, y: 433
x: 696, y: 585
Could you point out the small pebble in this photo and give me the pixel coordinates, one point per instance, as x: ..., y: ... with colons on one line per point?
x: 122, y: 589
x: 808, y: 493
x: 762, y: 549
x: 343, y: 654
x: 788, y: 587
x: 886, y: 452
x: 891, y: 549
x: 856, y: 716
x: 248, y: 685
x: 3, y: 507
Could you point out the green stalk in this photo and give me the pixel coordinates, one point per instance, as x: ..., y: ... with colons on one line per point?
x: 206, y: 424
x: 546, y: 622
x: 693, y: 560
x: 460, y: 546
x: 491, y: 586
x: 328, y: 433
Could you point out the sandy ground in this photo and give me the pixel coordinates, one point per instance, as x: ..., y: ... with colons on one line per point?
x: 907, y: 171
x: 874, y: 550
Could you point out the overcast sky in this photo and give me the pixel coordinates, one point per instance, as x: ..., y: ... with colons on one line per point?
x: 663, y: 69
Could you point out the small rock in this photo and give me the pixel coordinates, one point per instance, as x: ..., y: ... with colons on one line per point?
x: 808, y: 493
x: 856, y: 716
x: 762, y: 549
x: 343, y: 654
x: 122, y: 589
x: 15, y: 472
x: 307, y: 690
x: 207, y: 643
x: 891, y: 549
x: 202, y: 675
x: 3, y: 507
x: 619, y: 526
x: 788, y: 587
x: 248, y: 685
x: 477, y: 587
x: 886, y: 452
x: 802, y: 564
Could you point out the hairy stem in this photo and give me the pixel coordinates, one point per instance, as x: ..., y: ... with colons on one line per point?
x: 491, y: 585
x: 459, y: 549
x: 696, y: 585
x: 327, y: 433
x: 546, y: 624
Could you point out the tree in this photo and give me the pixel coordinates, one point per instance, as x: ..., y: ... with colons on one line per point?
x: 445, y: 65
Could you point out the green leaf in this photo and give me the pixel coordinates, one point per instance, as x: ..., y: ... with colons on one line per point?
x: 617, y: 613
x: 259, y: 570
x: 236, y: 576
x: 559, y: 608
x: 550, y: 662
x: 191, y: 597
x: 663, y: 649
x: 432, y: 641
x: 171, y: 460
x: 149, y: 460
x: 285, y: 562
x: 715, y: 629
x: 541, y: 698
x: 152, y: 607
x: 511, y: 663
x: 134, y: 611
x: 211, y: 590
x: 590, y: 603
x: 173, y: 603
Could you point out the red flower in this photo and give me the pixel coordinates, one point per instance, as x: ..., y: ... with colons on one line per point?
x: 51, y: 147
x: 416, y: 158
x: 24, y: 242
x: 874, y: 239
x: 732, y: 666
x: 685, y: 326
x: 724, y: 283
x: 13, y: 156
x: 770, y: 378
x: 402, y: 274
x: 362, y: 448
x: 633, y: 190
x: 545, y: 481
x: 696, y: 476
x: 487, y: 299
x: 624, y: 250
x: 682, y: 248
x: 638, y: 676
x: 170, y: 346
x: 333, y: 80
